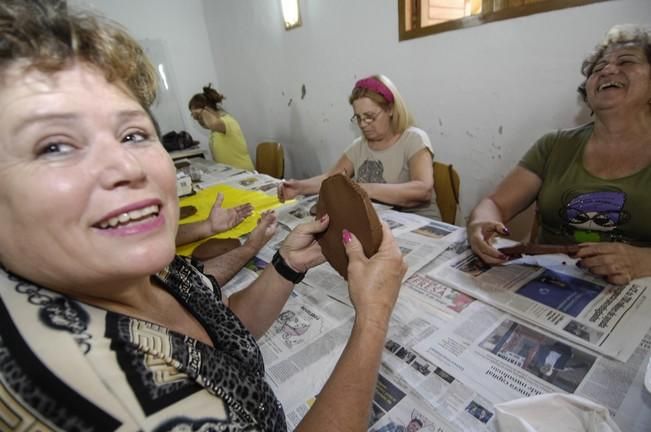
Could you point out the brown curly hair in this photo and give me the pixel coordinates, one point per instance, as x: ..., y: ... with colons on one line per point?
x: 210, y: 98
x: 50, y: 37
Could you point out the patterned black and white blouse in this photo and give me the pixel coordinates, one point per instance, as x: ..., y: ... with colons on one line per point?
x: 65, y: 365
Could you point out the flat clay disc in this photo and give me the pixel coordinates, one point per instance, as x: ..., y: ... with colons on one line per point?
x: 186, y: 211
x: 214, y: 247
x: 349, y: 207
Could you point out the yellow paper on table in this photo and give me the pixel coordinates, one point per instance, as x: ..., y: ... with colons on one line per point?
x: 204, y: 200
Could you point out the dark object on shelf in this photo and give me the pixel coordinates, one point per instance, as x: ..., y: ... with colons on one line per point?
x: 174, y: 141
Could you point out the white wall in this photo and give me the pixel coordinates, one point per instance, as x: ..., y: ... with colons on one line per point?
x: 483, y: 94
x: 181, y: 26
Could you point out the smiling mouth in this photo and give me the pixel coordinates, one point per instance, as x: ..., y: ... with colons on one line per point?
x: 129, y: 217
x: 609, y: 85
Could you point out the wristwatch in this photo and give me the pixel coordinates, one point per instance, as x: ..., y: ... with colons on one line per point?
x: 285, y: 270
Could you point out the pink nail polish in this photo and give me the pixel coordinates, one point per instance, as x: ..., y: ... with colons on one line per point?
x: 346, y: 236
x: 506, y: 231
x: 323, y: 218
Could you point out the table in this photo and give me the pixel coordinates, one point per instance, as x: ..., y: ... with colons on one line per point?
x: 195, y: 152
x: 497, y: 352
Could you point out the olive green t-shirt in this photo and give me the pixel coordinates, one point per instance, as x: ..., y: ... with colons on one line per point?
x: 576, y: 206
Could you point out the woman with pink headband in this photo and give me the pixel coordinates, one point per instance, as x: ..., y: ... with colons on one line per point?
x: 392, y: 160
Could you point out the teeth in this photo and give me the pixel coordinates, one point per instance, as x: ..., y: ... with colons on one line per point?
x: 129, y: 216
x: 611, y: 84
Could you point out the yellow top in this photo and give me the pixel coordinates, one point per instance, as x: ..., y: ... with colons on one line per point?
x: 230, y: 147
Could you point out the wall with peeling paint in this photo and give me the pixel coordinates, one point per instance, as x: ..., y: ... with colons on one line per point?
x: 483, y: 94
x: 180, y: 27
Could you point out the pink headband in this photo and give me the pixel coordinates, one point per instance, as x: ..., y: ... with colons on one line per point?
x: 375, y: 85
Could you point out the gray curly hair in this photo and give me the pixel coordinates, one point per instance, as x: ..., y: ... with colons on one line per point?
x: 618, y: 35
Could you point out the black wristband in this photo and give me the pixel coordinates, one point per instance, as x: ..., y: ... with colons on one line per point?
x: 286, y: 271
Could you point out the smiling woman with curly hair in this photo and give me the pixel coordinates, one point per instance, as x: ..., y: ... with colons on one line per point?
x: 590, y: 183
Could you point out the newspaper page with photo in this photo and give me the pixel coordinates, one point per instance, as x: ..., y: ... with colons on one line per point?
x: 446, y: 395
x: 424, y: 289
x: 409, y: 324
x: 303, y: 345
x: 563, y: 299
x: 504, y: 358
x: 396, y: 408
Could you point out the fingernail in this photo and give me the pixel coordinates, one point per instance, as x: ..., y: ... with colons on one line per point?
x: 323, y: 219
x: 504, y: 257
x: 346, y: 236
x: 506, y: 231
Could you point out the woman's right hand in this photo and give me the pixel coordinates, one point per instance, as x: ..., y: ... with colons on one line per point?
x: 480, y: 234
x: 374, y: 283
x: 288, y: 189
x: 300, y: 250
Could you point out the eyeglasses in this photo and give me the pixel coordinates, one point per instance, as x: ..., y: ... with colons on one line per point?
x: 365, y: 118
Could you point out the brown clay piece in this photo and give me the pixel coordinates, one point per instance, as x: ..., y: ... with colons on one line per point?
x: 348, y: 207
x: 186, y: 212
x: 214, y: 247
x: 538, y: 249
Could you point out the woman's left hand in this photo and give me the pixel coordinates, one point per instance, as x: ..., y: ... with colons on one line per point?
x: 222, y: 219
x: 300, y: 249
x: 619, y: 263
x: 210, y: 119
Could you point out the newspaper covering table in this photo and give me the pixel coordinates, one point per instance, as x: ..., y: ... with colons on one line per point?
x: 463, y: 337
x: 561, y: 298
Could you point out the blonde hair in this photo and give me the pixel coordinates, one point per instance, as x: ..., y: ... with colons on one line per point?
x: 400, y: 117
x: 50, y: 37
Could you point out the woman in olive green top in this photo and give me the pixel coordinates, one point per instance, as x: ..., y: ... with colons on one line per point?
x: 590, y: 183
x: 227, y: 143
